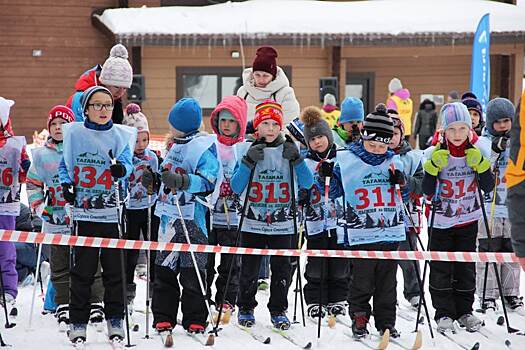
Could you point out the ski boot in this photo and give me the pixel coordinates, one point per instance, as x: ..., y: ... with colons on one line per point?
x: 165, y: 331
x: 96, y: 316
x: 445, y: 324
x: 227, y: 310
x: 77, y: 334
x: 195, y: 328
x: 280, y: 321
x: 359, y: 322
x: 313, y: 311
x: 115, y: 330
x: 393, y: 331
x: 515, y: 304
x: 246, y: 318
x: 62, y: 315
x: 337, y: 309
x: 414, y: 302
x: 470, y: 322
x: 262, y: 284
x: 490, y: 305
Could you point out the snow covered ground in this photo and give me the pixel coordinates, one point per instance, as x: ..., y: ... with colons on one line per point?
x: 45, y: 335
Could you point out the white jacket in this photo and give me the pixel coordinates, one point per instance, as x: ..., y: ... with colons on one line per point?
x: 279, y: 89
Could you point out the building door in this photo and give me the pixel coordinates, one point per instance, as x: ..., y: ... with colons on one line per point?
x: 361, y: 85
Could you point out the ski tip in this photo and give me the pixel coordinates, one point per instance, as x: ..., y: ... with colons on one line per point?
x: 168, y: 342
x: 385, y: 339
x: 418, y: 342
x: 211, y: 340
x: 500, y: 321
x: 507, y: 343
x: 267, y: 340
x: 475, y: 347
x: 308, y: 345
x: 135, y: 328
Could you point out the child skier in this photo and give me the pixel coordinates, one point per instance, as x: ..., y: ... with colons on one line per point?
x: 350, y: 122
x: 366, y: 175
x: 45, y: 198
x: 411, y: 192
x: 228, y: 121
x: 476, y: 111
x: 271, y: 159
x: 330, y: 274
x: 457, y: 166
x: 86, y: 174
x: 13, y: 167
x: 189, y: 173
x: 500, y: 115
x: 139, y: 200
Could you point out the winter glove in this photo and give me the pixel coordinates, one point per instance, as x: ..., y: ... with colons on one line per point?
x: 304, y: 197
x: 117, y: 170
x: 500, y: 143
x: 69, y: 193
x: 396, y: 177
x: 290, y: 151
x: 326, y: 169
x: 175, y: 181
x: 255, y: 154
x: 476, y: 161
x: 438, y: 160
x: 225, y: 189
x: 148, y: 180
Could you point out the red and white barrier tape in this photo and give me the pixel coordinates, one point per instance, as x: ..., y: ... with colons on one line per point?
x: 82, y: 241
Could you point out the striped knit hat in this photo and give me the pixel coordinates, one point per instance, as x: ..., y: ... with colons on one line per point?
x: 378, y: 126
x: 269, y: 109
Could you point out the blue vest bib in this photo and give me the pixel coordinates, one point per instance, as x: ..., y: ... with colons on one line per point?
x: 86, y: 155
x: 374, y: 211
x: 225, y: 212
x: 9, y: 170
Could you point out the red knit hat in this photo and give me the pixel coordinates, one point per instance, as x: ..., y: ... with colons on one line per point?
x: 269, y: 109
x: 60, y: 111
x: 265, y: 60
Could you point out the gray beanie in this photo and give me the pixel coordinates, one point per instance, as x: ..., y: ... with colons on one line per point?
x: 329, y: 100
x: 315, y: 125
x: 498, y: 108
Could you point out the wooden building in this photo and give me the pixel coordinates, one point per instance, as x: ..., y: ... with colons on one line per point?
x: 180, y: 51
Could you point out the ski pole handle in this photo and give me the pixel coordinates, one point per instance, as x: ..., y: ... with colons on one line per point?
x: 326, y: 189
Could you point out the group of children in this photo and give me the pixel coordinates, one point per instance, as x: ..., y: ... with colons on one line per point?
x: 357, y: 185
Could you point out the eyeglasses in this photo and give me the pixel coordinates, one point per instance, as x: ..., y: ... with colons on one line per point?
x: 99, y: 106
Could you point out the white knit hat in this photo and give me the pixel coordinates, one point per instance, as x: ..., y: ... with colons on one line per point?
x: 394, y: 85
x: 116, y: 70
x: 5, y: 107
x: 135, y: 118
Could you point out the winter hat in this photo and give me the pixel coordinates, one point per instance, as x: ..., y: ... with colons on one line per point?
x: 186, y: 115
x: 454, y: 113
x: 453, y: 95
x: 329, y: 100
x: 296, y: 129
x: 116, y: 70
x: 498, y: 108
x: 135, y: 118
x: 471, y: 101
x: 60, y: 111
x: 269, y: 109
x: 265, y: 60
x: 5, y: 107
x: 315, y: 125
x: 351, y: 110
x: 378, y: 126
x: 234, y: 108
x: 86, y: 96
x: 398, y: 123
x: 394, y: 85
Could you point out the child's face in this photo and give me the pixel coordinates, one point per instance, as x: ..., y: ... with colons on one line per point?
x: 262, y: 78
x: 269, y: 129
x: 228, y: 127
x: 318, y: 143
x: 502, y: 125
x: 55, y: 129
x: 349, y: 126
x: 396, y: 139
x: 116, y: 91
x: 142, y: 142
x: 100, y: 108
x: 474, y: 115
x: 457, y: 133
x: 375, y: 147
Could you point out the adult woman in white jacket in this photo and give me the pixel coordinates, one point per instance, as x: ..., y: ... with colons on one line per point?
x: 265, y: 80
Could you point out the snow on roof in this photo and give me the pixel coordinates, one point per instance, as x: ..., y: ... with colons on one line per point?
x: 259, y: 18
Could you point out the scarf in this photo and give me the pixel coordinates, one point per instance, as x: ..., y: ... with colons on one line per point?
x: 358, y: 148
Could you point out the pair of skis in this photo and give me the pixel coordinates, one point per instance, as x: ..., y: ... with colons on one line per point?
x: 263, y: 335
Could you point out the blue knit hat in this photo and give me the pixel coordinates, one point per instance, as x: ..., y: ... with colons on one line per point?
x: 454, y: 113
x: 186, y: 115
x: 352, y: 110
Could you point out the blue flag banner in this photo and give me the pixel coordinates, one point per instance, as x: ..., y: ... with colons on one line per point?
x: 480, y: 67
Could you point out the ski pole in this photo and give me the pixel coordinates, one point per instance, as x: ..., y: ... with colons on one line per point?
x: 494, y: 265
x: 148, y: 255
x: 122, y: 264
x: 299, y: 243
x: 211, y: 336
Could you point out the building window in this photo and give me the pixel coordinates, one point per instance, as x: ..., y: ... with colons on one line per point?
x: 209, y: 85
x: 361, y: 85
